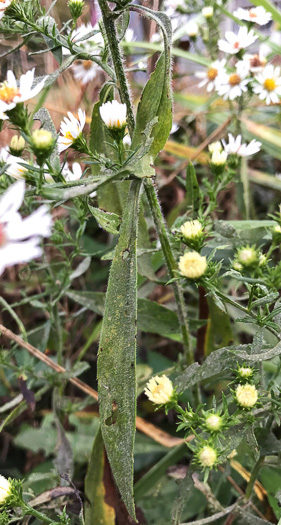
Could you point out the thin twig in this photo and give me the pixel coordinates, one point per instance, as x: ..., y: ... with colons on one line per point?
x: 213, y: 518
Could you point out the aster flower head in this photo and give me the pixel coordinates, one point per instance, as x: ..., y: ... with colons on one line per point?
x: 208, y: 11
x: 246, y: 395
x: 12, y: 93
x: 20, y: 238
x: 159, y: 390
x: 14, y: 168
x: 192, y: 265
x: 85, y: 70
x: 206, y: 456
x: 192, y: 29
x: 191, y: 229
x: 252, y: 63
x: 235, y: 146
x: 213, y: 422
x: 3, y: 5
x: 244, y: 373
x: 71, y: 128
x: 233, y: 42
x: 5, y: 488
x: 268, y: 84
x: 248, y: 257
x: 209, y: 77
x: 232, y: 85
x: 257, y: 15
x: 114, y: 115
x: 17, y: 145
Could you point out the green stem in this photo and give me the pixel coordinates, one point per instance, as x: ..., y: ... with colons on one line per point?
x: 33, y: 512
x: 123, y: 86
x: 253, y: 478
x: 171, y: 265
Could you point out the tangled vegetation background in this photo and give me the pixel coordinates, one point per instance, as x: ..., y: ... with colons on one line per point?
x: 140, y: 267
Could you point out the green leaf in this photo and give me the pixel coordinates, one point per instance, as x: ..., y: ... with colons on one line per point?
x: 192, y: 189
x: 152, y: 317
x: 97, y: 510
x: 117, y: 354
x: 108, y: 221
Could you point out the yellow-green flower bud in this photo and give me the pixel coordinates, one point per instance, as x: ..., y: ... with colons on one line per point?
x: 208, y: 11
x: 192, y: 265
x: 76, y: 7
x: 42, y: 139
x: 246, y: 395
x: 207, y: 456
x: 17, y: 146
x: 248, y: 256
x: 191, y: 229
x: 213, y: 422
x: 245, y: 372
x: 215, y: 146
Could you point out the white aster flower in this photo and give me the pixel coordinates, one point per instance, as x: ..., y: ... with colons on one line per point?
x: 191, y: 229
x: 233, y: 85
x: 234, y: 42
x: 252, y: 63
x: 74, y: 174
x: 70, y: 129
x: 85, y: 70
x: 114, y: 114
x: 3, y: 5
x: 246, y: 395
x: 159, y: 389
x: 235, y: 146
x: 192, y: 29
x: 219, y: 158
x: 14, y: 169
x: 81, y: 39
x: 5, y: 485
x: 11, y: 93
x: 257, y: 15
x: 129, y: 35
x: 210, y: 76
x: 208, y: 11
x: 20, y: 238
x: 268, y: 85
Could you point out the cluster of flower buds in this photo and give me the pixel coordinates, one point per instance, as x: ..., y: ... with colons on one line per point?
x: 248, y: 259
x: 245, y: 394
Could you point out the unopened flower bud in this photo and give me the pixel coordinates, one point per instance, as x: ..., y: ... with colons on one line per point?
x: 246, y: 395
x: 208, y: 11
x: 76, y: 7
x: 192, y: 265
x: 215, y: 146
x: 207, y: 456
x: 159, y: 389
x: 245, y: 372
x: 17, y: 146
x: 237, y: 266
x: 5, y: 489
x: 42, y: 139
x: 191, y: 229
x: 213, y: 422
x: 247, y: 256
x: 219, y: 158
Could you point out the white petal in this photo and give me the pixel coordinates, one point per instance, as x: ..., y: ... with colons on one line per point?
x: 11, y: 200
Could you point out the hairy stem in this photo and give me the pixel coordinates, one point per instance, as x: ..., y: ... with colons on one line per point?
x: 123, y: 86
x: 171, y: 265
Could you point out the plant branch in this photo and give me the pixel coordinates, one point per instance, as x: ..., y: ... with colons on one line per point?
x: 171, y: 265
x: 213, y: 518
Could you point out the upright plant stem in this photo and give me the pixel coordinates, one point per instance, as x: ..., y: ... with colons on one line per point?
x: 171, y: 265
x: 110, y: 29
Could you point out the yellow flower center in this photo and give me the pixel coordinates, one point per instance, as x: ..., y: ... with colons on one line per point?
x: 87, y: 64
x: 234, y: 80
x: 68, y: 135
x: 8, y: 93
x: 212, y: 73
x: 269, y: 84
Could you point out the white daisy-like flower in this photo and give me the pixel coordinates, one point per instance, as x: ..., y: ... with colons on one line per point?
x: 81, y: 39
x: 5, y: 489
x: 268, y: 85
x: 233, y: 42
x: 257, y: 15
x: 11, y: 93
x: 192, y: 29
x: 3, y: 5
x: 129, y: 35
x: 235, y: 146
x: 252, y: 63
x: 70, y: 129
x: 85, y: 70
x: 114, y: 114
x: 74, y: 174
x: 233, y: 85
x: 210, y: 75
x: 20, y: 238
x: 14, y: 169
x: 159, y: 389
